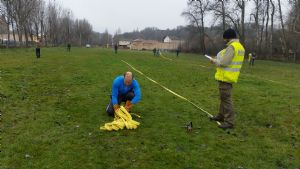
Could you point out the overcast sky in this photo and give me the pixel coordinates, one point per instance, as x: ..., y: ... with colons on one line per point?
x: 128, y: 15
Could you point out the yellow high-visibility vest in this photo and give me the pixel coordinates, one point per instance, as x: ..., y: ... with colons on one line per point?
x: 230, y: 73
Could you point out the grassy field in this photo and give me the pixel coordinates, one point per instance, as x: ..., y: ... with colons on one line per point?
x: 52, y: 108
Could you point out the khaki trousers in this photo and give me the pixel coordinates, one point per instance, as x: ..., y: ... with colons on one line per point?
x: 226, y: 106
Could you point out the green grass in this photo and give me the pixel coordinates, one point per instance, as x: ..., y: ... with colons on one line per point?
x: 52, y: 108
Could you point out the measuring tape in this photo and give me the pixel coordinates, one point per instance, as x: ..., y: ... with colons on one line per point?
x: 183, y: 98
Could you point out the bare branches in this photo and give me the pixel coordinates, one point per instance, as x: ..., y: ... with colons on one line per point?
x: 195, y: 14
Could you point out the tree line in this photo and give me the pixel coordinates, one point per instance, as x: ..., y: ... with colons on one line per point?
x: 47, y: 22
x: 265, y: 30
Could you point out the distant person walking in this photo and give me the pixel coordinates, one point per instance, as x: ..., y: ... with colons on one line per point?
x: 229, y: 63
x: 253, y: 59
x: 154, y: 52
x: 69, y: 47
x: 158, y: 52
x: 177, y: 51
x: 116, y: 48
x: 38, y: 50
x: 249, y: 58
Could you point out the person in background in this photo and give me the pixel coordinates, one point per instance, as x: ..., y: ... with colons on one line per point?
x: 116, y: 48
x: 178, y: 51
x: 38, y: 49
x: 253, y: 59
x: 69, y: 47
x: 154, y: 52
x: 249, y: 58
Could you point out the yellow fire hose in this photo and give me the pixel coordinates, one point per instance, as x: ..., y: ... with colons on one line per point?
x: 122, y: 120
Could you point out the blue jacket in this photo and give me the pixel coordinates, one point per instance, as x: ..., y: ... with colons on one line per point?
x: 119, y: 88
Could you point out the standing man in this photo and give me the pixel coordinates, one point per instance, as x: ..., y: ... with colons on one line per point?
x: 38, y: 49
x: 154, y: 51
x: 69, y: 47
x: 250, y: 58
x: 178, y: 51
x: 253, y: 59
x: 229, y: 63
x: 124, y: 89
x: 116, y: 48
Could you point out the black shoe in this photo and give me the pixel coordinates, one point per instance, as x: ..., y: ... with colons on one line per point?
x: 225, y: 126
x: 216, y: 118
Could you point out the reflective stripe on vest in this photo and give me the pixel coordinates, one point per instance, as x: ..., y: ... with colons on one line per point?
x: 231, y: 72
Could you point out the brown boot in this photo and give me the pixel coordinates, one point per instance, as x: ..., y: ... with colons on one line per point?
x: 225, y: 126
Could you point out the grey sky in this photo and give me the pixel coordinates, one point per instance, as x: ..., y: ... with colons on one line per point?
x: 128, y: 15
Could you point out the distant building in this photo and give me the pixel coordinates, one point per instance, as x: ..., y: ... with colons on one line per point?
x: 32, y: 40
x: 141, y: 44
x: 167, y: 39
x: 124, y: 44
x: 11, y: 38
x: 166, y: 44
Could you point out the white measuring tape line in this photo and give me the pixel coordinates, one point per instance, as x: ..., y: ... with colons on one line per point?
x: 170, y: 91
x: 165, y: 57
x: 172, y: 60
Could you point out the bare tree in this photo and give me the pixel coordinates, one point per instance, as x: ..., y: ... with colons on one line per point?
x: 53, y: 15
x: 38, y: 19
x: 241, y: 5
x: 272, y: 28
x: 236, y: 16
x: 219, y: 10
x: 195, y: 14
x: 295, y: 17
x: 6, y: 13
x: 267, y: 42
x: 283, y: 39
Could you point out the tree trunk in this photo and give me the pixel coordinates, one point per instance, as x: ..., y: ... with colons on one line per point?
x: 272, y: 26
x: 243, y: 23
x: 8, y: 23
x: 13, y: 31
x: 202, y: 34
x: 256, y: 25
x: 36, y: 26
x: 266, y: 35
x: 26, y: 36
x: 19, y: 30
x: 8, y: 33
x: 42, y: 30
x: 223, y: 15
x: 284, y: 45
x: 261, y: 33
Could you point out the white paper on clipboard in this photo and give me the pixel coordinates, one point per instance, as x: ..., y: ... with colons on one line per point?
x: 210, y: 58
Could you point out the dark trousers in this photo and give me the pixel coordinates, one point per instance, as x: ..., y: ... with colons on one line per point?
x: 226, y: 107
x: 252, y: 62
x: 121, y: 98
x: 38, y: 52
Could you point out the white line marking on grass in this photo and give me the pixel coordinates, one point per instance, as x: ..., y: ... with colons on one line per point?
x: 268, y: 80
x: 166, y: 58
x: 183, y: 98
